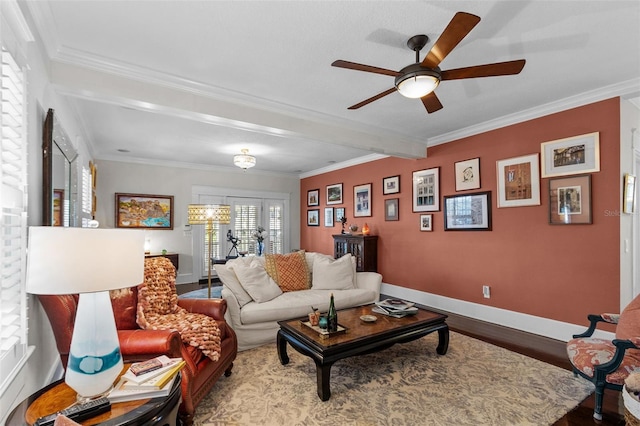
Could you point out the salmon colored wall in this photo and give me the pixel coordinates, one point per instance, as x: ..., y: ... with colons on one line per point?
x: 560, y: 272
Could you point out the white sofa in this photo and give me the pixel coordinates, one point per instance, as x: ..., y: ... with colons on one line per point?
x: 255, y: 302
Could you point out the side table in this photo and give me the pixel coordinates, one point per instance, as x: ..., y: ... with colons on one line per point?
x: 162, y: 411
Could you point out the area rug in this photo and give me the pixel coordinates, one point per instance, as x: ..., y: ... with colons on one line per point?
x: 475, y: 383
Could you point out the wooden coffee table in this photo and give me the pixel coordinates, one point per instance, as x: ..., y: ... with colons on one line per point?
x: 360, y: 338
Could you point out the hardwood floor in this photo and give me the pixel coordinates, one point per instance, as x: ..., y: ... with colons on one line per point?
x: 547, y: 350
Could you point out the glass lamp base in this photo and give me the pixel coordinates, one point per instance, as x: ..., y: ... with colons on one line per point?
x: 95, y: 360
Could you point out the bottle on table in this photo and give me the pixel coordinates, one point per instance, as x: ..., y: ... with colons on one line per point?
x: 332, y: 317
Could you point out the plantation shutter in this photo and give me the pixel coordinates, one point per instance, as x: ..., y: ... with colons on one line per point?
x: 245, y: 218
x: 275, y: 227
x: 13, y: 201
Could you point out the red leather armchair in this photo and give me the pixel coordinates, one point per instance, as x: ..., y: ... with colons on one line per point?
x: 200, y: 373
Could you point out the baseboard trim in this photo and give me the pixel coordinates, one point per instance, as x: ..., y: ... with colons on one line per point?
x: 507, y: 328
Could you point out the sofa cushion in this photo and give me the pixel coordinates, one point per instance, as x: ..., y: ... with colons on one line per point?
x: 229, y: 279
x: 289, y: 271
x: 333, y: 274
x: 255, y: 280
x: 294, y: 304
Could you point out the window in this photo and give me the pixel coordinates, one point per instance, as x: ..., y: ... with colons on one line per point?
x: 249, y: 209
x: 13, y: 163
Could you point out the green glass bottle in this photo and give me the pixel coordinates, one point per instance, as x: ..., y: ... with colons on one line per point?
x: 332, y: 317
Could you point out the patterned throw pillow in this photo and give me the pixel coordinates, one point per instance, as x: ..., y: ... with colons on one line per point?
x: 289, y: 271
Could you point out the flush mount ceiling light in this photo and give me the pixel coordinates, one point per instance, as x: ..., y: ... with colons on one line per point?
x: 244, y: 160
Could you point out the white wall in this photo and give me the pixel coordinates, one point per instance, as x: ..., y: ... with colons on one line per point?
x: 114, y: 177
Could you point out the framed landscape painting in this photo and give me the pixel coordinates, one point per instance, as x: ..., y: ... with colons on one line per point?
x: 334, y: 193
x: 570, y: 156
x: 144, y: 211
x: 313, y: 217
x: 391, y: 185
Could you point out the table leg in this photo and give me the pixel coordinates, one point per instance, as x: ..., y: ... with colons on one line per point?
x: 282, y: 348
x: 323, y: 375
x: 443, y: 340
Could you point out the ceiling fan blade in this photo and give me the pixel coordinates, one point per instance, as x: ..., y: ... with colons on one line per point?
x: 431, y: 102
x: 461, y: 24
x: 488, y: 70
x: 360, y: 67
x: 373, y: 98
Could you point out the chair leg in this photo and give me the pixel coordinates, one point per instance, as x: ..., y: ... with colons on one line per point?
x: 599, y: 396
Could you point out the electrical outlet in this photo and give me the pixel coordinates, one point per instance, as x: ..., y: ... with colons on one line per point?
x: 486, y: 291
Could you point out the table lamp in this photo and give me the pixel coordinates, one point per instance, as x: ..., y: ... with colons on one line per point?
x: 89, y: 262
x: 208, y: 214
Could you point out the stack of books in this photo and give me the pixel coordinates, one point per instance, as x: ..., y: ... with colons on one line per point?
x: 395, y: 308
x: 148, y: 379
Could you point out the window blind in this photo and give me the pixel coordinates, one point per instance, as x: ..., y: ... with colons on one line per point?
x: 13, y: 162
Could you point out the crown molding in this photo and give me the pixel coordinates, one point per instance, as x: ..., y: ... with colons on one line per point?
x: 596, y: 95
x: 343, y: 165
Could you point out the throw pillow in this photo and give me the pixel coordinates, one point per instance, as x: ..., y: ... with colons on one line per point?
x: 228, y: 277
x: 330, y: 274
x: 289, y: 271
x: 256, y: 282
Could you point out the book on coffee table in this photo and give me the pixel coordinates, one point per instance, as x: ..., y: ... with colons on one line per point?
x: 395, y: 308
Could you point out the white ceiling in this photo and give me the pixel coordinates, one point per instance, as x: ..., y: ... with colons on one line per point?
x: 193, y: 82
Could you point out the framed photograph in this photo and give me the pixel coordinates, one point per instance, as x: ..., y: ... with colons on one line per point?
x: 58, y: 203
x: 328, y: 216
x: 362, y: 200
x: 570, y: 156
x: 313, y: 197
x: 467, y: 174
x: 340, y: 213
x: 334, y: 193
x: 518, y: 181
x: 144, y: 211
x: 313, y: 217
x: 426, y: 190
x: 570, y: 200
x: 391, y: 209
x: 629, y: 194
x: 469, y: 212
x: 426, y: 222
x: 391, y: 185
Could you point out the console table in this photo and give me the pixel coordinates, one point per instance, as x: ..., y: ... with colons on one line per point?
x: 363, y: 247
x: 173, y: 257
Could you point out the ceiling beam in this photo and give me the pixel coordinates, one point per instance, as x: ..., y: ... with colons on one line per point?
x: 185, y: 102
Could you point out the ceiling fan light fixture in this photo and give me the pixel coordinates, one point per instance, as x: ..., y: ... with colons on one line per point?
x: 416, y: 83
x: 244, y: 160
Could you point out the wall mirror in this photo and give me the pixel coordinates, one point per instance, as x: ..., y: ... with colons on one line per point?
x: 59, y: 175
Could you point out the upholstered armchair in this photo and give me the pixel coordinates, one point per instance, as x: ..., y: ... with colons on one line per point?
x: 200, y: 373
x: 607, y: 363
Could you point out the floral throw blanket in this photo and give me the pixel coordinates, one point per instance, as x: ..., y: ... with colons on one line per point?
x: 158, y: 309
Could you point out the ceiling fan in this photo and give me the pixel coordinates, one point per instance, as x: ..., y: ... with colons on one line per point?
x: 419, y: 80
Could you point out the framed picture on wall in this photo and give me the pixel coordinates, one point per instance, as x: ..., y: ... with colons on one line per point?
x: 328, y: 216
x: 362, y: 200
x: 518, y: 181
x: 469, y: 212
x: 391, y: 185
x: 340, y: 213
x: 570, y: 156
x: 467, y: 174
x: 426, y: 190
x: 334, y: 193
x: 313, y: 197
x: 426, y: 222
x: 313, y: 217
x: 570, y: 200
x: 391, y: 209
x: 144, y: 211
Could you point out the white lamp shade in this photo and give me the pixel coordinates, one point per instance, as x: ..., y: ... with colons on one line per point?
x: 81, y: 260
x: 418, y: 86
